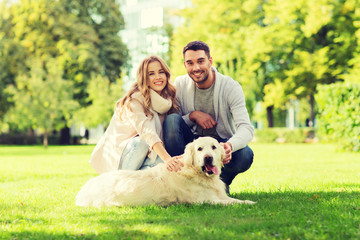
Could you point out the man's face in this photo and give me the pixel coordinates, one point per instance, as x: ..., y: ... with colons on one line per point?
x: 197, y: 65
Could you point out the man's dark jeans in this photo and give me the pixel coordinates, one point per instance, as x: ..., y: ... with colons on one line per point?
x: 177, y: 134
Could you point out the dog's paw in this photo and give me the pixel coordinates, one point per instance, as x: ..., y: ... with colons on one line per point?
x: 249, y: 202
x: 243, y: 201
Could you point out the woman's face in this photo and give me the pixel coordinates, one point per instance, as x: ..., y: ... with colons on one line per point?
x: 157, y: 77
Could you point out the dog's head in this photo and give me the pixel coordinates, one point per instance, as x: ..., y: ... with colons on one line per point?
x: 205, y: 154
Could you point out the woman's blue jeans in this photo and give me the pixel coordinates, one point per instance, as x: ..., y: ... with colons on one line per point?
x: 134, y: 156
x: 177, y: 134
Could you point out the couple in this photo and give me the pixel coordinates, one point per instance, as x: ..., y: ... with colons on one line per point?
x: 153, y: 122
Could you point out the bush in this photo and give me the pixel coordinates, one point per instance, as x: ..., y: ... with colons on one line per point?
x: 339, y: 114
x: 294, y: 136
x: 266, y: 135
x: 26, y: 139
x: 286, y: 135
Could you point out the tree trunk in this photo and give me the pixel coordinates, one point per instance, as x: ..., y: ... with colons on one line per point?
x: 312, y: 110
x: 46, y: 138
x: 270, y: 117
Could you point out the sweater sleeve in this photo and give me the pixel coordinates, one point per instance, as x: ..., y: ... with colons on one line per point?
x: 144, y: 125
x: 183, y: 99
x: 244, y: 131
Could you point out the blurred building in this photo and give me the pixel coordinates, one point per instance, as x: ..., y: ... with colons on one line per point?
x: 145, y: 29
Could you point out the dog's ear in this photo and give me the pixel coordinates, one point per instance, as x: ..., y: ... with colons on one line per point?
x: 188, y: 155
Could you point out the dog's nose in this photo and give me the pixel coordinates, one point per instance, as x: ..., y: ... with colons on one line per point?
x: 208, y: 159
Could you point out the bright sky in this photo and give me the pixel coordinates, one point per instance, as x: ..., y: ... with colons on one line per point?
x: 152, y: 17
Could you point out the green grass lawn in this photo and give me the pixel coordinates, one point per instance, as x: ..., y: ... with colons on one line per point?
x: 302, y: 192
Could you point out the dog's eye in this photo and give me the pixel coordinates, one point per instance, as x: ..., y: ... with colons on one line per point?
x: 213, y: 147
x: 200, y: 149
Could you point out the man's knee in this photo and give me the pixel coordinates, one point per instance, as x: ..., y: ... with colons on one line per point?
x: 248, y: 154
x: 244, y: 159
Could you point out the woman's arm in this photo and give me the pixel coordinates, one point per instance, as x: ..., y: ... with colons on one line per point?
x: 145, y: 127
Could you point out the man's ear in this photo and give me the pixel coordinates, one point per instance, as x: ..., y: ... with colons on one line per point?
x: 188, y: 155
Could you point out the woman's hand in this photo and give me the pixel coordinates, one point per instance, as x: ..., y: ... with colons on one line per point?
x: 174, y: 164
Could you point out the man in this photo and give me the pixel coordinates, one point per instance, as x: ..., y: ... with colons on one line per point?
x: 211, y: 104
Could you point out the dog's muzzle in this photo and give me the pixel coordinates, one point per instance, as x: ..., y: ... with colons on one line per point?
x: 208, y: 167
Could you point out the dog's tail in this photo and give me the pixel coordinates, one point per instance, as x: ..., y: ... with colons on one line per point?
x: 90, y: 195
x: 84, y: 198
x: 81, y: 201
x: 98, y: 192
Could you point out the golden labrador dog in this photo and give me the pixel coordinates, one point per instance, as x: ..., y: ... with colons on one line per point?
x: 197, y: 182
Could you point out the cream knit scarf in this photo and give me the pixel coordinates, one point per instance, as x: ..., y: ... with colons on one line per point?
x: 158, y: 103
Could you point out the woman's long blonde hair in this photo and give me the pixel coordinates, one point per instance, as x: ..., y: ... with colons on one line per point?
x: 142, y: 85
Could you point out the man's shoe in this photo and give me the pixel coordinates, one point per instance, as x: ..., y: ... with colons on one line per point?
x: 227, y: 189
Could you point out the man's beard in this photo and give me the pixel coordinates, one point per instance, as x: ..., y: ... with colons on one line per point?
x: 201, y: 80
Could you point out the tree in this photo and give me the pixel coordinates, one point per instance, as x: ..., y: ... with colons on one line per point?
x: 81, y: 36
x: 42, y: 100
x: 321, y: 49
x: 102, y: 95
x: 12, y: 57
x: 339, y: 122
x: 106, y: 20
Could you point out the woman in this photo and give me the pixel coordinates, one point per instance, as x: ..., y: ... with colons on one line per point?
x: 133, y: 139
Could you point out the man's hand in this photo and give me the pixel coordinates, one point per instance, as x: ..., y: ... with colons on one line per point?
x: 203, y: 119
x: 228, y: 148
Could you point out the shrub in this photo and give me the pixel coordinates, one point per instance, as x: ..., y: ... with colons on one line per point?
x: 266, y: 135
x: 294, y: 136
x: 339, y: 114
x: 286, y: 135
x: 26, y: 139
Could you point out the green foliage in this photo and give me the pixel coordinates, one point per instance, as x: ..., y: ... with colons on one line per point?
x: 12, y: 58
x: 339, y: 120
x: 102, y: 94
x: 302, y: 192
x: 104, y: 20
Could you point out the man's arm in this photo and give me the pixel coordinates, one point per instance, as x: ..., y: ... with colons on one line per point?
x: 244, y: 130
x: 203, y: 119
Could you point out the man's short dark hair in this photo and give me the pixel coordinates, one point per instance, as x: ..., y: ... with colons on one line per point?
x: 197, y: 45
